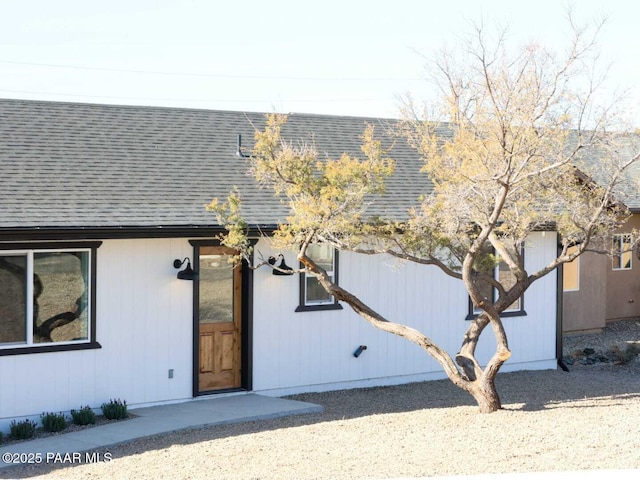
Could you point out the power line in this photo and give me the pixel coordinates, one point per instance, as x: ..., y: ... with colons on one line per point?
x: 212, y: 75
x: 27, y: 92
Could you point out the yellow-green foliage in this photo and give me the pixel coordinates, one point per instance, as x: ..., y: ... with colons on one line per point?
x: 520, y: 127
x: 326, y: 196
x: 229, y: 214
x: 511, y: 154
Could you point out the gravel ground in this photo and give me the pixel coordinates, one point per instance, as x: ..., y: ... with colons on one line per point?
x: 620, y: 334
x: 552, y: 421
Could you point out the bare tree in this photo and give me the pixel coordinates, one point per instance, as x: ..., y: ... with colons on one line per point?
x: 522, y: 145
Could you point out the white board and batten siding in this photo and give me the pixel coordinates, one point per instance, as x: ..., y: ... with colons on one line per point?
x: 313, y: 351
x: 144, y: 324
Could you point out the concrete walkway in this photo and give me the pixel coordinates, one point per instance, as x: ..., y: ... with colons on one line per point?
x: 163, y: 419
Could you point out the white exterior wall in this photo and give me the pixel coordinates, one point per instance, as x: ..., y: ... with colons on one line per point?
x: 313, y: 351
x: 532, y: 338
x: 144, y: 324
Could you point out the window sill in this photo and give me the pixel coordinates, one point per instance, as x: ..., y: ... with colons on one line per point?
x: 317, y: 308
x: 519, y: 313
x: 49, y: 348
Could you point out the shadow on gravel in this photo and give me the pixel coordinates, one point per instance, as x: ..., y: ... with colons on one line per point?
x: 558, y: 389
x: 520, y: 391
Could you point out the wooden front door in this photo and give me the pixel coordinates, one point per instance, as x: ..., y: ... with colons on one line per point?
x: 219, y: 320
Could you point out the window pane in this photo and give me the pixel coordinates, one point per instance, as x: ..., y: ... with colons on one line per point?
x: 315, y: 292
x: 508, y: 280
x: 61, y: 296
x: 571, y: 273
x: 484, y: 264
x: 622, y: 252
x: 13, y: 305
x: 216, y: 289
x: 625, y: 258
x: 322, y: 255
x: 486, y: 290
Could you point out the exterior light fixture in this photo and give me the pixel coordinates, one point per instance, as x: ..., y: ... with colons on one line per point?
x: 359, y: 350
x: 188, y: 273
x: 281, y: 268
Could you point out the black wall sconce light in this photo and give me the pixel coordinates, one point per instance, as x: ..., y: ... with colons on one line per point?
x: 281, y: 268
x: 188, y: 273
x: 359, y: 350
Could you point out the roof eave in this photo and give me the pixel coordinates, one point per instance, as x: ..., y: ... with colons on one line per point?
x: 122, y: 232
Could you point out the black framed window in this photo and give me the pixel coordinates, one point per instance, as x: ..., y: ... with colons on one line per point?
x: 312, y: 295
x: 502, y: 274
x: 47, y: 297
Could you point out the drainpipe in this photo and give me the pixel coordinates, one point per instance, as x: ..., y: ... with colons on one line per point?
x: 559, y: 300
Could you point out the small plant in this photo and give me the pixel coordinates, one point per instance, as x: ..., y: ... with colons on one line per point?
x: 0, y: 437
x: 53, y: 422
x: 627, y: 355
x: 116, y: 409
x: 632, y: 351
x: 23, y: 430
x: 84, y: 416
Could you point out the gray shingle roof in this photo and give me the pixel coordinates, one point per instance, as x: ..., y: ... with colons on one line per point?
x: 69, y: 165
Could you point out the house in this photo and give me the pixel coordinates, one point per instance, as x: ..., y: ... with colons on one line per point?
x: 598, y: 289
x: 101, y: 203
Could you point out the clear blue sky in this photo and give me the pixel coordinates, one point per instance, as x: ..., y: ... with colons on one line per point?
x: 335, y: 57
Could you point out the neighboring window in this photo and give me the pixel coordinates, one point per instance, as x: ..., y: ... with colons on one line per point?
x: 571, y: 273
x: 508, y: 280
x: 312, y: 295
x: 46, y: 299
x: 622, y: 252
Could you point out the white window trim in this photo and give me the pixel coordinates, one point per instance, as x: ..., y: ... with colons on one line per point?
x: 330, y: 273
x: 313, y: 303
x: 619, y: 240
x: 330, y: 304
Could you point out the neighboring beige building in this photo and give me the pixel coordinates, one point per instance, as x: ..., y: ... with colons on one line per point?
x: 598, y: 289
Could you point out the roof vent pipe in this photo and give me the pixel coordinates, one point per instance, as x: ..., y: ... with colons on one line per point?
x: 239, y: 148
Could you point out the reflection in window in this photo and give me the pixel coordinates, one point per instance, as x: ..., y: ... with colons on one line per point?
x: 60, y: 296
x: 312, y: 295
x: 44, y: 297
x: 13, y: 299
x: 622, y: 252
x: 508, y: 280
x: 484, y: 264
x: 216, y: 289
x: 502, y: 274
x: 315, y: 294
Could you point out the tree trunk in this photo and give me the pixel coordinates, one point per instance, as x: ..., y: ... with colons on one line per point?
x: 485, y: 394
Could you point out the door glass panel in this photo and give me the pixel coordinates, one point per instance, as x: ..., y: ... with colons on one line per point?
x: 216, y: 289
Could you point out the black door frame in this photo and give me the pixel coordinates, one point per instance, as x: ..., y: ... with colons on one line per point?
x: 246, y: 338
